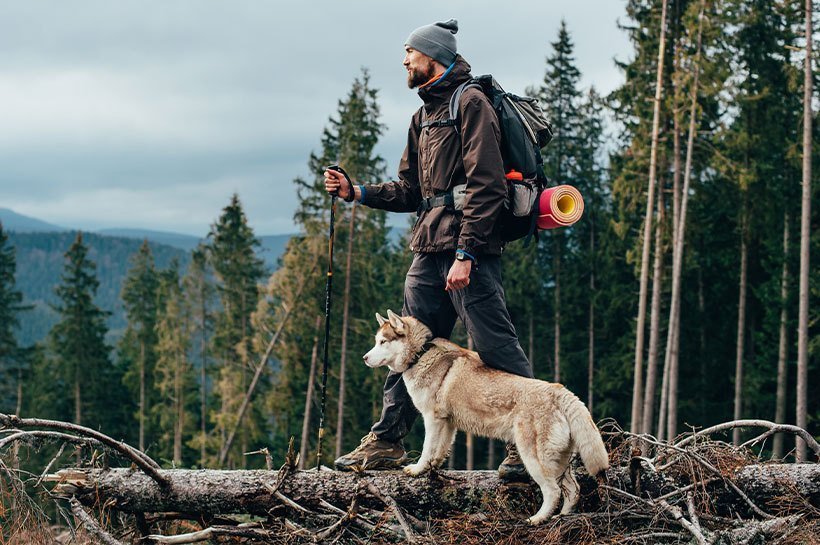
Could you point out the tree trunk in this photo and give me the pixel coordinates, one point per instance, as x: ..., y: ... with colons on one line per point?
x: 783, y: 348
x: 19, y: 408
x: 673, y: 334
x: 637, y: 387
x: 664, y: 403
x: 345, y: 321
x: 314, y: 356
x: 142, y: 397
x: 203, y: 386
x: 741, y: 331
x: 557, y: 301
x: 654, y: 324
x: 591, y: 341
x: 180, y: 410
x: 805, y: 241
x: 212, y: 492
x: 78, y: 402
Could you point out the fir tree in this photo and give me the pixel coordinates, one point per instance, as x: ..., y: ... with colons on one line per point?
x: 78, y: 343
x: 199, y: 298
x: 11, y: 304
x: 138, y: 346
x: 174, y: 375
x: 232, y: 248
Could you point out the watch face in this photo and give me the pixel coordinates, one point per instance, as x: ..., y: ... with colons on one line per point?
x: 461, y: 257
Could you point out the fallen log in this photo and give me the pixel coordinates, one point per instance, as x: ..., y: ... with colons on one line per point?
x: 260, y: 492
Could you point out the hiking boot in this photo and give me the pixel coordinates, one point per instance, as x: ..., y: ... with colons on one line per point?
x: 373, y: 453
x: 512, y: 468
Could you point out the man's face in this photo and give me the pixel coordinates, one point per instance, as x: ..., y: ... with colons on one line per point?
x: 420, y: 67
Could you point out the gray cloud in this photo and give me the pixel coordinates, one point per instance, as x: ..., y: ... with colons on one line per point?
x: 150, y: 114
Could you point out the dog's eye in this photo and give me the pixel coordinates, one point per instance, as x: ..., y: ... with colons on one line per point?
x: 382, y: 341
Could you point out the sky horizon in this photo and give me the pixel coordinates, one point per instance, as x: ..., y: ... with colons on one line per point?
x: 151, y: 115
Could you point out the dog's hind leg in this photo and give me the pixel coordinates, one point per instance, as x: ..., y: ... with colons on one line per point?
x: 570, y: 490
x: 542, y: 467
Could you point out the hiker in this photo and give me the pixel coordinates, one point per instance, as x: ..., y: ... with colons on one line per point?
x: 456, y: 269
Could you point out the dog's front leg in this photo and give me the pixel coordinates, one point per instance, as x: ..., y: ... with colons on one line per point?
x: 434, y: 431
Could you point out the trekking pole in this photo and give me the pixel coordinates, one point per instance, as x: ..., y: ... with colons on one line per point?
x: 328, y: 292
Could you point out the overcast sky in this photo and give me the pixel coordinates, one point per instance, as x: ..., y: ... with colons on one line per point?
x: 150, y: 114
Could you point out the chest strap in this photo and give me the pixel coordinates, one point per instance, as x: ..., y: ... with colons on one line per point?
x: 443, y: 199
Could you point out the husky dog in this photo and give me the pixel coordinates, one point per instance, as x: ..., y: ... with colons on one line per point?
x: 453, y: 389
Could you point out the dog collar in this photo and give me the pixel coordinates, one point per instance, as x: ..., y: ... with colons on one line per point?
x: 426, y: 347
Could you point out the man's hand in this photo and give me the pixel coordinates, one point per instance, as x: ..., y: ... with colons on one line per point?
x: 459, y: 275
x: 335, y: 182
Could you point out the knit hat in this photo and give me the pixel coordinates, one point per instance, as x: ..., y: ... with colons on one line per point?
x: 437, y: 41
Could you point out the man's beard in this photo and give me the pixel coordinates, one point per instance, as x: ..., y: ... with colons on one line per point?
x: 422, y: 75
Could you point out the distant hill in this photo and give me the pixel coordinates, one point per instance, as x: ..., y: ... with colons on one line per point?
x: 12, y: 221
x: 273, y: 246
x: 40, y: 262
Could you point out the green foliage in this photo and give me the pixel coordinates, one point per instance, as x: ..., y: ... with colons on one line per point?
x: 12, y: 361
x: 79, y: 353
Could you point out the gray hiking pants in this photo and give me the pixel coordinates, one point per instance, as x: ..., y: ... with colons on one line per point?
x: 482, y: 309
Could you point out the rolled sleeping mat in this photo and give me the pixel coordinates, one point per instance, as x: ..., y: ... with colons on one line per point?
x: 559, y: 206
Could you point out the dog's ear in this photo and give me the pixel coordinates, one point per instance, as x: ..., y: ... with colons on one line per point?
x: 396, y: 322
x: 381, y: 319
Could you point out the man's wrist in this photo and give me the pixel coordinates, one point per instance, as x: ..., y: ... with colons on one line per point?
x: 464, y: 255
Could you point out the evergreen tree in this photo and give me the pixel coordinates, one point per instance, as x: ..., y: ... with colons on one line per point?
x: 11, y: 304
x: 81, y: 355
x: 560, y: 95
x: 232, y: 248
x: 199, y: 298
x: 138, y: 345
x: 175, y: 380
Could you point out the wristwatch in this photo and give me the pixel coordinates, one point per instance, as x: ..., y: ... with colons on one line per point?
x: 461, y: 255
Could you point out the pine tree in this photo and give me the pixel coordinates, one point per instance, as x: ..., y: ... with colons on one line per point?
x: 199, y: 299
x: 560, y: 95
x: 11, y: 304
x: 78, y: 343
x: 174, y: 375
x: 232, y: 248
x: 138, y: 345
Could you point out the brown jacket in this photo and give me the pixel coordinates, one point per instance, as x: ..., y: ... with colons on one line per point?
x: 438, y: 158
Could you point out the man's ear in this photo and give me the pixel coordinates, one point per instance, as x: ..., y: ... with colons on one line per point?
x: 381, y: 319
x: 396, y: 322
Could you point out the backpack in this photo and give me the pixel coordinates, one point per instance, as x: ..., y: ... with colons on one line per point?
x: 524, y: 131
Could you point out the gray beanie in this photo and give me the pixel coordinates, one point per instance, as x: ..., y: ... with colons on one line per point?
x: 437, y: 41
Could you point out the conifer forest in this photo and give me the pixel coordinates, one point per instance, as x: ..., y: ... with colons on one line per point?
x: 686, y: 297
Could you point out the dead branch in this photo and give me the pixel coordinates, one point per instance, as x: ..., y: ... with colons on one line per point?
x: 139, y: 458
x: 771, y: 426
x: 91, y: 525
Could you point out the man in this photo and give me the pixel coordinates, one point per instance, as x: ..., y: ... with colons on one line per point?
x: 456, y: 271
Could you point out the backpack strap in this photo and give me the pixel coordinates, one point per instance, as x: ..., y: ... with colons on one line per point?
x: 455, y: 100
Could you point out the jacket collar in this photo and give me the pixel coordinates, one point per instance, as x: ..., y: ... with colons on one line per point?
x: 443, y: 87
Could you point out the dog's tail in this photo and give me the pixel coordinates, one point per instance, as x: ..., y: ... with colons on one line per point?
x: 585, y: 434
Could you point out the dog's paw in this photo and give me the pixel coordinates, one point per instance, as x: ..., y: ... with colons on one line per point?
x: 535, y: 520
x: 414, y: 470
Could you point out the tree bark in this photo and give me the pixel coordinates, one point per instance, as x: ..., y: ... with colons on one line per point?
x: 340, y: 413
x: 213, y: 492
x: 654, y: 324
x: 805, y: 241
x: 142, y: 397
x: 783, y: 348
x: 557, y: 302
x: 741, y: 331
x: 637, y: 387
x: 673, y: 333
x: 314, y: 356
